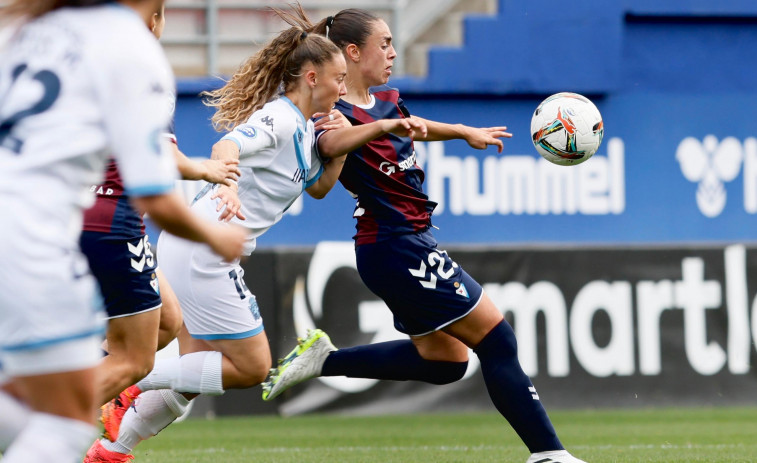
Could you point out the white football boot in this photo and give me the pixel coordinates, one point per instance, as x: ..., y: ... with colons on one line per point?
x: 303, y: 363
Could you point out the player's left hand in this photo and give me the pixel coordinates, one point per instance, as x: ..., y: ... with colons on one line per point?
x: 331, y: 120
x: 229, y: 205
x: 481, y: 137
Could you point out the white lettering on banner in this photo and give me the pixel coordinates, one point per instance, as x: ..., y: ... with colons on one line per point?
x: 695, y: 296
x: 652, y: 299
x: 518, y: 185
x: 739, y: 341
x: 570, y: 329
x: 750, y: 175
x: 692, y: 294
x: 525, y: 303
x: 615, y: 300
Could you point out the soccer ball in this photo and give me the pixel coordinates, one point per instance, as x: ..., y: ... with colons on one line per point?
x: 567, y: 129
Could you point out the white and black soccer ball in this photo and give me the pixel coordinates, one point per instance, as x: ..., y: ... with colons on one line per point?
x: 567, y: 129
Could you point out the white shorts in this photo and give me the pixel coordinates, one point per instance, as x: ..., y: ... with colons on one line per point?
x: 51, y: 318
x: 214, y: 299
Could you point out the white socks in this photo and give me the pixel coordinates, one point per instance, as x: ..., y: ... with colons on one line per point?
x: 13, y: 419
x: 151, y: 413
x: 198, y: 372
x: 65, y: 440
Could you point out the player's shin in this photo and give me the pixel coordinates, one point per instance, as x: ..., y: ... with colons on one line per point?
x: 512, y: 392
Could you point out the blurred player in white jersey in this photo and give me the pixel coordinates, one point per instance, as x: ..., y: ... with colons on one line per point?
x: 78, y: 82
x: 143, y: 313
x: 223, y: 344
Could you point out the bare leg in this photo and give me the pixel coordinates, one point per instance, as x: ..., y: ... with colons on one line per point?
x: 132, y: 343
x: 63, y: 410
x: 170, y: 312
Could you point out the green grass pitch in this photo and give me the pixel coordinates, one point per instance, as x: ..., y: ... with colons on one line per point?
x: 727, y: 435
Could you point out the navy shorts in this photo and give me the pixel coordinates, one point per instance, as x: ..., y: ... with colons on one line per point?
x: 125, y: 270
x: 423, y: 287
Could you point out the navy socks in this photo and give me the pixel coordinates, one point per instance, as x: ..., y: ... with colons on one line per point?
x: 393, y: 360
x: 512, y: 392
x: 509, y: 387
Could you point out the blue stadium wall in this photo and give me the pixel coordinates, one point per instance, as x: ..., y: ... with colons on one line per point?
x: 609, y: 251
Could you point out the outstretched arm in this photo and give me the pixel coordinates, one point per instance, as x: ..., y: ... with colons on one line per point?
x: 477, y: 137
x: 337, y: 142
x: 334, y: 144
x: 223, y: 171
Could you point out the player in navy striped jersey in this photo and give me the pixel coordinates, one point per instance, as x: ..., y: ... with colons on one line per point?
x: 434, y: 301
x: 76, y: 85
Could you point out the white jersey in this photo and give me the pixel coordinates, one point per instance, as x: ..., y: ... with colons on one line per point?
x: 70, y: 83
x: 278, y: 162
x: 76, y: 87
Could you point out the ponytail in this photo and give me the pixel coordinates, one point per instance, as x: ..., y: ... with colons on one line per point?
x: 276, y: 65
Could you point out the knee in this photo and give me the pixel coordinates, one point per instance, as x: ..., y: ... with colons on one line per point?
x: 499, y: 342
x: 141, y: 368
x: 253, y: 377
x: 445, y: 372
x: 167, y: 333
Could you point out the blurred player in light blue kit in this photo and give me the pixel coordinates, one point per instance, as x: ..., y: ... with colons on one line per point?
x: 78, y: 82
x: 434, y: 301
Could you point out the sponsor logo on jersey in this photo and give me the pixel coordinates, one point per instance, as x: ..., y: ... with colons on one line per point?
x: 98, y: 189
x: 299, y: 175
x: 388, y: 168
x: 249, y: 132
x: 408, y: 163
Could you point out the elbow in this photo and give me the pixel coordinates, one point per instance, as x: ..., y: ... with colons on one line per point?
x: 327, y: 152
x: 316, y: 192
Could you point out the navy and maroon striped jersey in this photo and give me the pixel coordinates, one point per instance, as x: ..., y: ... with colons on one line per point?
x: 112, y: 212
x: 383, y: 174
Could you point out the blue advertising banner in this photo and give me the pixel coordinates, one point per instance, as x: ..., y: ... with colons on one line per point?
x: 672, y: 168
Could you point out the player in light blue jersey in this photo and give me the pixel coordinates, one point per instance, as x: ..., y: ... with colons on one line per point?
x: 78, y: 82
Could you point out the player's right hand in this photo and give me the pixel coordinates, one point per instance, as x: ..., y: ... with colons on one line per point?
x: 227, y: 241
x: 224, y: 171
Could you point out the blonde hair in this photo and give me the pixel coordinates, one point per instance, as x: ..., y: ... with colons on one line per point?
x: 277, y: 64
